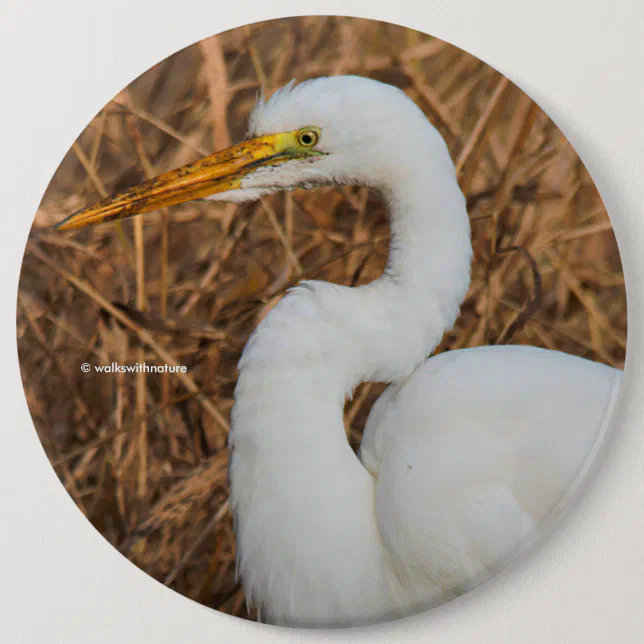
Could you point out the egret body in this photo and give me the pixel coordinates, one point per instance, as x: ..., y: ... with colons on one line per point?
x: 466, y: 457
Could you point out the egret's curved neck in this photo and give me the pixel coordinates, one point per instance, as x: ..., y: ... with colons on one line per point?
x: 428, y: 272
x: 306, y: 528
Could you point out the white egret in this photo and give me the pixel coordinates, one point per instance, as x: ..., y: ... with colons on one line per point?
x: 466, y: 456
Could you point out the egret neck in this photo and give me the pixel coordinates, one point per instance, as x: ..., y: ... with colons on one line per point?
x: 300, y: 495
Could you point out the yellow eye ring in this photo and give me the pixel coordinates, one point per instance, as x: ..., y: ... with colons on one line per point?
x: 307, y: 138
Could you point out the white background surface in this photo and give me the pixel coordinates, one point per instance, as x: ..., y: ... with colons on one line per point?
x: 62, y: 61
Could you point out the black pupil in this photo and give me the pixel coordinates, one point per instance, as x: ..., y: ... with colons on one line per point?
x: 307, y: 139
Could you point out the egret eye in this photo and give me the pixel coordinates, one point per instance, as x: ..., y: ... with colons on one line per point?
x: 307, y: 138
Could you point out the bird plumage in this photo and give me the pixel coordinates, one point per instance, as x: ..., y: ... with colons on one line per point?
x: 465, y: 457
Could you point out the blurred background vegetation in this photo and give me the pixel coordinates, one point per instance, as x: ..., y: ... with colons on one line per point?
x: 144, y: 456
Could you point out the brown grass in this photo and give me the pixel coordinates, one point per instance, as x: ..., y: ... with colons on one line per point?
x: 144, y: 457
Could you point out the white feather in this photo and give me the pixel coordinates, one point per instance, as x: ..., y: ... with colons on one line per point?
x: 467, y: 456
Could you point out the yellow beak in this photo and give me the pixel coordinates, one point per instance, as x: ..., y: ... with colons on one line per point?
x: 211, y: 175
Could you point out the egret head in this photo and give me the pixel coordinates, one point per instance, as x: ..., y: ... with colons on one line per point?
x: 335, y: 130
